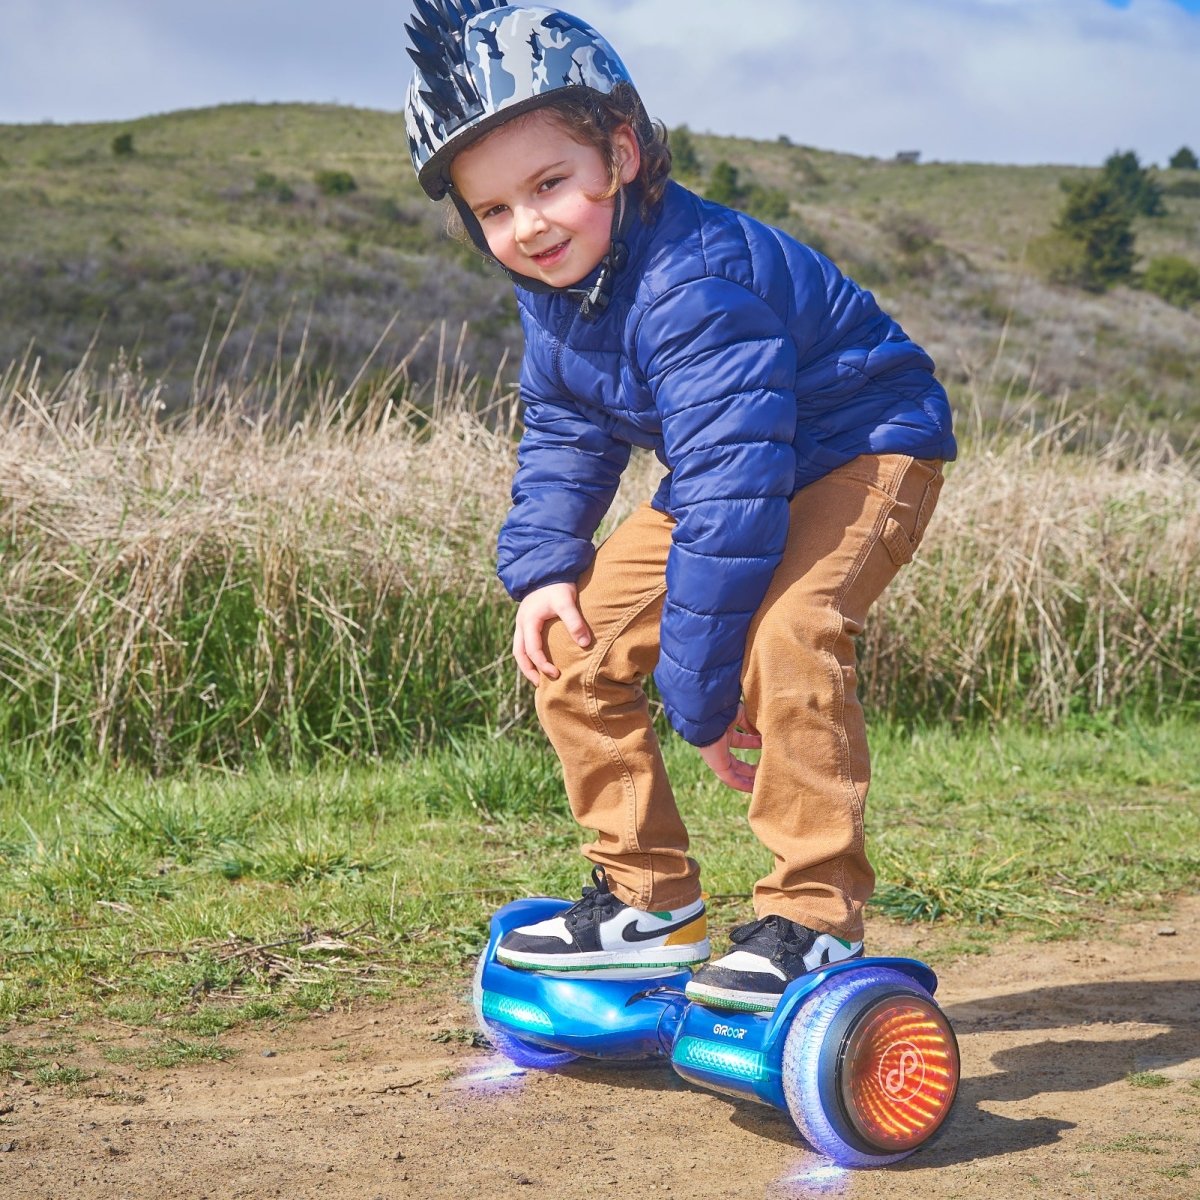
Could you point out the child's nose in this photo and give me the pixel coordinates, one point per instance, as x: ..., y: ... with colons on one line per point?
x: 528, y: 223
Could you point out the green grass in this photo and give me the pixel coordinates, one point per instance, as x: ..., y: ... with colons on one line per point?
x: 169, y: 1052
x: 1147, y: 1079
x: 190, y: 905
x: 219, y: 210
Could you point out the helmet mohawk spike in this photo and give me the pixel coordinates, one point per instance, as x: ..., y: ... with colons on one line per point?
x: 479, y: 62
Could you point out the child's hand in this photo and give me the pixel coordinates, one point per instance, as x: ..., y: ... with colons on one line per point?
x: 740, y: 735
x: 559, y: 600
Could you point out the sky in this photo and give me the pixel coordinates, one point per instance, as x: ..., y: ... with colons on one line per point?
x: 1013, y: 81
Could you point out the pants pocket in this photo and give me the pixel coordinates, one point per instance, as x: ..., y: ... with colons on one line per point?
x: 905, y: 527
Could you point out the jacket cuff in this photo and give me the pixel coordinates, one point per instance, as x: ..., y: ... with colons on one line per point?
x: 521, y: 593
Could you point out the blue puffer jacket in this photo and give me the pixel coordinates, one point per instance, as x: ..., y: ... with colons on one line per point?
x: 751, y: 366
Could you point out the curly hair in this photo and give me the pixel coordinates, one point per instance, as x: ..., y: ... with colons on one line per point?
x: 591, y: 119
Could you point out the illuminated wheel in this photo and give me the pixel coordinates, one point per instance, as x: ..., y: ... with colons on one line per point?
x: 515, y: 1049
x: 870, y: 1067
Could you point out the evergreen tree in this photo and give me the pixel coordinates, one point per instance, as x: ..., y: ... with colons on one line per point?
x: 1097, y: 220
x: 1184, y: 159
x: 1133, y: 184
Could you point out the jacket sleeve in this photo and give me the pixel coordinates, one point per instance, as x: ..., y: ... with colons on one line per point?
x: 721, y: 365
x: 568, y: 469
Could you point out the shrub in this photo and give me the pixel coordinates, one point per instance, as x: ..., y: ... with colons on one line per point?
x: 1184, y: 187
x: 684, y: 158
x: 915, y: 241
x: 909, y: 233
x: 1173, y: 278
x: 724, y: 185
x: 268, y: 184
x: 335, y: 183
x: 768, y: 204
x: 122, y: 145
x: 1184, y: 159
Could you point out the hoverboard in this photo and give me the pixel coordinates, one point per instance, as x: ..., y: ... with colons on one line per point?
x: 857, y: 1053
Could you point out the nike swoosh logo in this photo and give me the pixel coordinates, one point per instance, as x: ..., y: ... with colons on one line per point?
x: 631, y: 933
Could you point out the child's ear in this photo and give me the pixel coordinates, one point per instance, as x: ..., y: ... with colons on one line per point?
x: 627, y: 151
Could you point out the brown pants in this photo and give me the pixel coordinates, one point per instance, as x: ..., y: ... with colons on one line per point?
x: 850, y: 533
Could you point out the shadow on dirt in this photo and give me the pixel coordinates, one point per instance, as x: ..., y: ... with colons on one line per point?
x: 1047, y: 1065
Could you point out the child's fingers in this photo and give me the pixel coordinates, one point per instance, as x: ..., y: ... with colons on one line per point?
x: 526, y: 662
x: 541, y: 661
x: 729, y: 770
x: 742, y: 734
x: 745, y: 741
x: 576, y: 626
x: 738, y: 775
x: 742, y: 722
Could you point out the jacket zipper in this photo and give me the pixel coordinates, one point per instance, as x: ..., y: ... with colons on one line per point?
x: 560, y: 346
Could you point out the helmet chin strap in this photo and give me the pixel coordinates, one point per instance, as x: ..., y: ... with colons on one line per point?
x: 594, y: 300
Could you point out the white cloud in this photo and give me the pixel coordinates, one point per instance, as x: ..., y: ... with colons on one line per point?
x: 999, y: 80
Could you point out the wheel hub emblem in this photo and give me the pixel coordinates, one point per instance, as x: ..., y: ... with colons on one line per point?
x: 901, y: 1071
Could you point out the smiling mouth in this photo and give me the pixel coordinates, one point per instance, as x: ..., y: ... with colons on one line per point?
x: 546, y: 255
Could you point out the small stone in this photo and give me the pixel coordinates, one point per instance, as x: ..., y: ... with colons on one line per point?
x: 7, y: 1147
x: 1166, y: 931
x: 268, y: 1054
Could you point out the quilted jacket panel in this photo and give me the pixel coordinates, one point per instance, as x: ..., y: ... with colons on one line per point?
x: 751, y: 366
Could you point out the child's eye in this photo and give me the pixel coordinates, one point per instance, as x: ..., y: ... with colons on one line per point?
x: 548, y: 185
x: 494, y: 211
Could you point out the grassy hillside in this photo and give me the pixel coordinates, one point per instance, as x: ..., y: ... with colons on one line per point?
x: 216, y: 216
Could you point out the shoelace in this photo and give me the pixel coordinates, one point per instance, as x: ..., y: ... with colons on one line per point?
x: 790, y: 941
x: 595, y: 903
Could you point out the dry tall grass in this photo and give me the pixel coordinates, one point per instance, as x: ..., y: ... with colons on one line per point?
x: 238, y: 581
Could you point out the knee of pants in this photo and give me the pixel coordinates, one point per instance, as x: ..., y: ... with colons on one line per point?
x: 794, y: 653
x: 601, y: 673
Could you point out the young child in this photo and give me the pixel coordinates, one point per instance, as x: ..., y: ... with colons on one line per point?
x: 802, y: 434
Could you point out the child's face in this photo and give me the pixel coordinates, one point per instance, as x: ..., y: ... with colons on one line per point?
x: 531, y: 187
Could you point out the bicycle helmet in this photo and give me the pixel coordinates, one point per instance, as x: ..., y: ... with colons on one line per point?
x: 479, y: 63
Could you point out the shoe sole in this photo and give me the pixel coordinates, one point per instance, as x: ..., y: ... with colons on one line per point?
x: 739, y: 1001
x: 614, y: 964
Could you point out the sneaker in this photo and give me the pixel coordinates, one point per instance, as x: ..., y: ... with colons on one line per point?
x: 603, y: 938
x: 770, y: 953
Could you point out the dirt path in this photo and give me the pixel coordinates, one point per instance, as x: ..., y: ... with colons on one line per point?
x: 394, y: 1102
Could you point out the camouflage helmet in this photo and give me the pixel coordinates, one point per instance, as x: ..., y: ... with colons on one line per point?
x: 480, y: 63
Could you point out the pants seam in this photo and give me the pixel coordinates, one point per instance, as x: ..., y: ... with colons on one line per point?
x: 839, y: 684
x: 589, y: 691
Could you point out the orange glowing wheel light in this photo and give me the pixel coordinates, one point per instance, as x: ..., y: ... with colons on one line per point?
x: 898, y: 1071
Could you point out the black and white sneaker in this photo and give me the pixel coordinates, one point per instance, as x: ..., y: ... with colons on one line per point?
x: 601, y: 937
x: 769, y: 954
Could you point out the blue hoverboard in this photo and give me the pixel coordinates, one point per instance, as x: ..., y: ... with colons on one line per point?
x: 857, y: 1053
